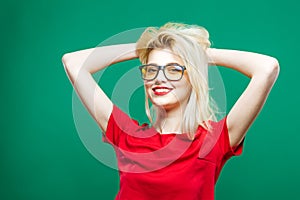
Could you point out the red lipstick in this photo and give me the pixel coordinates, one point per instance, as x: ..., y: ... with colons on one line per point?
x: 160, y: 90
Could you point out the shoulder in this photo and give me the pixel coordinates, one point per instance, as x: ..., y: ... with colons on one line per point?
x: 120, y: 121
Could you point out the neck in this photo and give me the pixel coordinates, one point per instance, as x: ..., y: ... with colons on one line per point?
x: 169, y: 120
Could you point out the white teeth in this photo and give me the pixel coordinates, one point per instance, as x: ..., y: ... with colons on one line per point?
x: 161, y: 90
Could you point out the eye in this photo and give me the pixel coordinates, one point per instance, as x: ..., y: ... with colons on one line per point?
x: 151, y: 69
x: 174, y: 68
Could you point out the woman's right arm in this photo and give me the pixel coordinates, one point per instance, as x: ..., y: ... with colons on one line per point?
x: 80, y: 66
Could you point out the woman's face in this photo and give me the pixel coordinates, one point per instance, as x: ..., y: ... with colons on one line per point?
x: 165, y: 93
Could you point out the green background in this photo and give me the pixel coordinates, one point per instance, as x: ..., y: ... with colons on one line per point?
x: 42, y: 156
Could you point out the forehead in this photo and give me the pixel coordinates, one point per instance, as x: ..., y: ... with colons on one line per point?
x: 163, y: 57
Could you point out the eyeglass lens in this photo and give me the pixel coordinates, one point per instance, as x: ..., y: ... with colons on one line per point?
x: 171, y: 72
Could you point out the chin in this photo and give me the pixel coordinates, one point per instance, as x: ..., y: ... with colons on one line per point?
x: 165, y: 104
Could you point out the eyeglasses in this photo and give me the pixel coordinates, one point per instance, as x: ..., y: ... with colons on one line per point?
x: 172, y: 71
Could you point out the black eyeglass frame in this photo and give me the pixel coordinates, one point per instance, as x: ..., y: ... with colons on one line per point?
x: 162, y: 67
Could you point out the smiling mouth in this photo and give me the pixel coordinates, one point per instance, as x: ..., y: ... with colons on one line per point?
x: 160, y: 91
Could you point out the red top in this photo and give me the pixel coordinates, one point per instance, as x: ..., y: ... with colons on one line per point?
x: 167, y: 166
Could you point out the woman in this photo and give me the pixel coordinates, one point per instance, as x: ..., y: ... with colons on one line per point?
x: 181, y: 153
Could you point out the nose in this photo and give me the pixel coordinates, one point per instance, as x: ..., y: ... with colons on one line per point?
x: 160, y: 76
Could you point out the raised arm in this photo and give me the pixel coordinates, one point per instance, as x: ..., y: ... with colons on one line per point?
x: 263, y: 71
x: 80, y: 66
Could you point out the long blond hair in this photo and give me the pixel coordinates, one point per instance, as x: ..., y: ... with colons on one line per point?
x: 189, y: 42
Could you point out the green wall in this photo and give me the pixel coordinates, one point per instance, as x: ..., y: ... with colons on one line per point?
x: 42, y: 156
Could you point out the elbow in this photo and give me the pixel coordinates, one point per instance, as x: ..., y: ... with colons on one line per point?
x: 71, y: 70
x: 274, y: 69
x: 65, y: 59
x: 69, y: 63
x: 269, y: 70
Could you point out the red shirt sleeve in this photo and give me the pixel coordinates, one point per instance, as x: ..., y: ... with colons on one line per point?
x: 224, y: 151
x: 115, y: 126
x: 216, y: 145
x: 119, y: 126
x: 229, y: 151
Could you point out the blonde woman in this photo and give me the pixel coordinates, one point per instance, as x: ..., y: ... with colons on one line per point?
x: 180, y: 154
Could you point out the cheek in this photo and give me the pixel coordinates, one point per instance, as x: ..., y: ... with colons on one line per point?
x: 183, y: 83
x: 184, y: 90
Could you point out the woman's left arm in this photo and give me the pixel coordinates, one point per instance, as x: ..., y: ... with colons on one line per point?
x: 263, y: 71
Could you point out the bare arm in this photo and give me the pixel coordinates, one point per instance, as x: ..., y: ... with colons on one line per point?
x: 263, y: 71
x: 80, y: 66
